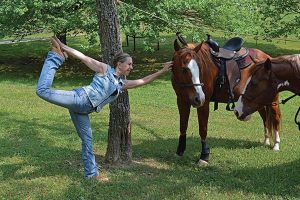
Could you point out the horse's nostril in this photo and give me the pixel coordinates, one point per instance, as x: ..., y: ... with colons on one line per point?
x: 197, y: 99
x: 236, y: 113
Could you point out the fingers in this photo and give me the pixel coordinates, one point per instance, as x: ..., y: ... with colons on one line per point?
x: 169, y: 64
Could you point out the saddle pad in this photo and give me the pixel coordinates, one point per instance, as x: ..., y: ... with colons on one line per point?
x: 244, y: 59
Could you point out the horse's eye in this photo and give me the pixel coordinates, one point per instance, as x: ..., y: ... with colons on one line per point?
x: 185, y: 70
x: 254, y: 82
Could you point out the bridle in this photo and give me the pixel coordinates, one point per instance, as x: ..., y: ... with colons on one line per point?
x: 189, y: 84
x: 186, y: 85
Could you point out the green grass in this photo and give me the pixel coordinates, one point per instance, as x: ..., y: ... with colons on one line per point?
x: 40, y: 155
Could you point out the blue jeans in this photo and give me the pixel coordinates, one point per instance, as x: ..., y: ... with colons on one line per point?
x: 79, y: 108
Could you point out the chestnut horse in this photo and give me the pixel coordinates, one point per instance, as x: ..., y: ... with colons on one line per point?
x: 193, y: 80
x: 270, y: 78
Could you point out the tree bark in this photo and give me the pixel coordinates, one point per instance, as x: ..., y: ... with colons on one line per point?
x: 62, y: 36
x: 119, y: 150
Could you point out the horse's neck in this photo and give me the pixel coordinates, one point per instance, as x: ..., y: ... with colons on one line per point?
x: 210, y: 67
x: 283, y: 70
x: 296, y: 65
x: 288, y: 74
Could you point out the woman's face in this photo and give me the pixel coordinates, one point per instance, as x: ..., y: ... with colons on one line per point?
x: 125, y: 67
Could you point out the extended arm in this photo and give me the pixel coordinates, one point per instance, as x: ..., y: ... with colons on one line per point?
x: 147, y: 79
x: 93, y: 64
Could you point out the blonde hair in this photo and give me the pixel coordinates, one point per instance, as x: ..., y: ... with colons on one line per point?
x: 120, y: 57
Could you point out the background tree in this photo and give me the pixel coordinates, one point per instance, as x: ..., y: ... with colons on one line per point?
x: 281, y: 17
x: 25, y: 17
x: 137, y: 17
x: 119, y: 134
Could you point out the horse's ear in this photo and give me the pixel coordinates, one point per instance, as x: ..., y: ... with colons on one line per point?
x: 198, y: 47
x: 177, y: 46
x: 268, y: 64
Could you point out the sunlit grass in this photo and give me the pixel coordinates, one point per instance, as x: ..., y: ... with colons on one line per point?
x: 40, y: 155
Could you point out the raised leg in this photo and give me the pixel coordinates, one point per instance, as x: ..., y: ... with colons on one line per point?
x: 203, y: 114
x: 184, y: 113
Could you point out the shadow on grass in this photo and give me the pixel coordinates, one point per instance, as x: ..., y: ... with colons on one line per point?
x: 178, y: 177
x: 28, y: 152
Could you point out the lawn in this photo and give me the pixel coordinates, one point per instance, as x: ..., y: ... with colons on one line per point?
x: 40, y: 154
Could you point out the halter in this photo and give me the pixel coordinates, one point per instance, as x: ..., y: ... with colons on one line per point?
x: 184, y: 85
x: 190, y: 84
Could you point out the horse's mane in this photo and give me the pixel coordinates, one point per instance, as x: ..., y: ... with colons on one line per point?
x: 191, y: 45
x: 286, y: 58
x: 204, y: 55
x: 292, y: 60
x: 289, y: 59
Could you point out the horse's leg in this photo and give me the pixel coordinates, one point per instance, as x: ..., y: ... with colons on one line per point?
x: 274, y: 118
x: 203, y: 114
x: 267, y: 129
x: 184, y: 113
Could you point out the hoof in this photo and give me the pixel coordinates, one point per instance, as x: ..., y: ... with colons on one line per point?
x: 179, y: 153
x: 202, y: 163
x: 276, y: 147
x: 267, y: 142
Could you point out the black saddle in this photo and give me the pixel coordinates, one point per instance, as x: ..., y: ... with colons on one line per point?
x: 229, y: 51
x: 234, y: 44
x: 213, y: 44
x: 233, y: 50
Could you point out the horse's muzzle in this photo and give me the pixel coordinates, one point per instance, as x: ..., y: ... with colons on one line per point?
x: 198, y: 101
x: 243, y: 116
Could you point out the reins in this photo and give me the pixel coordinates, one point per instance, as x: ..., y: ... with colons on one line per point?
x: 185, y: 85
x: 298, y: 111
x: 296, y: 116
x: 289, y: 98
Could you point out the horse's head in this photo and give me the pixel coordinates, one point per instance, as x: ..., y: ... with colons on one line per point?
x: 186, y: 78
x: 259, y: 91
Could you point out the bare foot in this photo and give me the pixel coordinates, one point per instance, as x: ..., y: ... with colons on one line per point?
x: 102, y: 178
x: 62, y: 45
x: 56, y: 48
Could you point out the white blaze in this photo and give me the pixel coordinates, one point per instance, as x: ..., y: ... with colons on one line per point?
x: 193, y: 66
x: 239, y: 105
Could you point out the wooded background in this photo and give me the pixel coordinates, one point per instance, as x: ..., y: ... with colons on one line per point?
x: 266, y: 19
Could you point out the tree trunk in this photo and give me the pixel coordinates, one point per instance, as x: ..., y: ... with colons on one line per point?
x: 62, y: 36
x: 119, y: 149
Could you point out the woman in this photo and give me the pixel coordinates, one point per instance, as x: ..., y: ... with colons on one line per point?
x: 104, y: 88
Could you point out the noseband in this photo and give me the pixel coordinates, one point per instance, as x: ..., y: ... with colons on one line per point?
x: 190, y: 85
x: 187, y: 85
